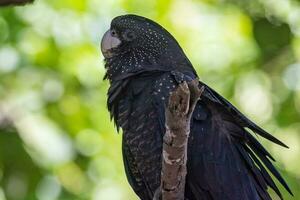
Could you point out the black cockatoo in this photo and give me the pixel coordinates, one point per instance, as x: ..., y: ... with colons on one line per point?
x: 225, y: 161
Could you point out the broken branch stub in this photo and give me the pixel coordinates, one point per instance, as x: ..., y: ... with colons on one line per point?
x: 14, y: 2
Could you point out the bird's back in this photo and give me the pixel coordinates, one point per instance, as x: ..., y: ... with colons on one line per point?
x: 223, y: 158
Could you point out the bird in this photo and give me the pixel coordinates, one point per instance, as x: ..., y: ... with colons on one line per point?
x: 225, y: 161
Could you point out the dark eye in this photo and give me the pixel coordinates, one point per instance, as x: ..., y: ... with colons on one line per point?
x: 113, y: 33
x: 129, y: 35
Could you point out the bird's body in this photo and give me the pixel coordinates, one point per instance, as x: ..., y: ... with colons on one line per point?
x: 224, y: 159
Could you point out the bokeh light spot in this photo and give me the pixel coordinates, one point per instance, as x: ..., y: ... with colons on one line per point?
x: 9, y: 59
x: 48, y: 188
x: 291, y: 76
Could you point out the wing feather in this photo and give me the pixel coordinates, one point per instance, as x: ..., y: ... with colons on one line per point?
x: 241, y: 118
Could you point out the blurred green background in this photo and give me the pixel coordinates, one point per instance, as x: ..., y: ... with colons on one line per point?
x: 56, y: 139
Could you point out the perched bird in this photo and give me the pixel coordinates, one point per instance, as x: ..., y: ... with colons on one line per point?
x: 144, y: 65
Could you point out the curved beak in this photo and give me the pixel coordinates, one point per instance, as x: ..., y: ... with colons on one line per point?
x: 109, y: 42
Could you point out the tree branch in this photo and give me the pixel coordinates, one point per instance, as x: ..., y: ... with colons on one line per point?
x: 14, y: 2
x: 179, y: 111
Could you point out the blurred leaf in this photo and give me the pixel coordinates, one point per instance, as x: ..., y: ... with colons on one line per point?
x: 270, y: 37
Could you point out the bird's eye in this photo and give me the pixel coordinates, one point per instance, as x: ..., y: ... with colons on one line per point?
x: 129, y: 35
x: 113, y: 33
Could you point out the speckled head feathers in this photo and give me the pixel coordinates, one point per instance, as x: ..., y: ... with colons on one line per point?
x: 139, y: 32
x: 137, y: 23
x: 143, y: 43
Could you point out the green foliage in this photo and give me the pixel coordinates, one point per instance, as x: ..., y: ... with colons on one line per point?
x: 56, y: 139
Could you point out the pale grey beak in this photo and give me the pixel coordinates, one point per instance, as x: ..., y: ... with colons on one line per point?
x: 109, y: 42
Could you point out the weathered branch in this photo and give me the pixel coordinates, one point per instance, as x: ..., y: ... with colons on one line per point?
x: 14, y: 2
x: 181, y: 105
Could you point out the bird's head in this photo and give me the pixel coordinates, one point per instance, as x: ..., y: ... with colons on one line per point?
x: 134, y: 41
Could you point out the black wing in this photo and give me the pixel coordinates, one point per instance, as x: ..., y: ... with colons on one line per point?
x: 224, y: 160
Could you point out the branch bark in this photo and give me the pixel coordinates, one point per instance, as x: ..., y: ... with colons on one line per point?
x: 178, y: 115
x: 14, y: 2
